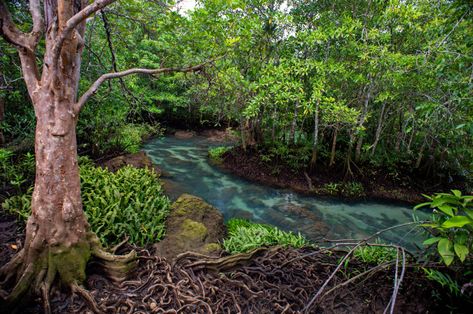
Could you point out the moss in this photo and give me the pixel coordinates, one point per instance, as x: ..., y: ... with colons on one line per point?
x: 191, y: 229
x: 71, y: 262
x: 211, y: 247
x: 187, y: 204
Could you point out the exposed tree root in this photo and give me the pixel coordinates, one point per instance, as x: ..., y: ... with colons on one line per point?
x: 36, y: 271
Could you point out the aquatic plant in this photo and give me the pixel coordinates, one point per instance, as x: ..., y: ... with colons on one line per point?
x: 244, y: 236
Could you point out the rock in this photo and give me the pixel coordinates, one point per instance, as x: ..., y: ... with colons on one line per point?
x: 193, y: 225
x: 184, y: 135
x: 137, y: 160
x: 219, y: 136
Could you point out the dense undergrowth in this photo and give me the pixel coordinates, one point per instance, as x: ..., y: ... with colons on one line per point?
x: 129, y: 203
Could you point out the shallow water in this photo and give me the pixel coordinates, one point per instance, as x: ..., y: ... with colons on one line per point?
x: 186, y: 170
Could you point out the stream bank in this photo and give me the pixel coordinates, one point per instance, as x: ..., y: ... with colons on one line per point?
x: 366, y: 184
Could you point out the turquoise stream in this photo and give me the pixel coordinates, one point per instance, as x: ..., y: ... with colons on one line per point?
x: 186, y: 169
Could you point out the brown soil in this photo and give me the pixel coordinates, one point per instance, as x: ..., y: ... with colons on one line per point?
x: 377, y: 184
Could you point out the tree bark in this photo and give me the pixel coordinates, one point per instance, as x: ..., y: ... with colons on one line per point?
x: 292, y: 133
x: 334, y: 144
x: 379, y: 128
x: 313, y: 160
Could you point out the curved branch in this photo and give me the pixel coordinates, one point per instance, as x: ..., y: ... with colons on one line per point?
x: 73, y: 22
x: 10, y: 32
x: 95, y: 86
x: 38, y: 21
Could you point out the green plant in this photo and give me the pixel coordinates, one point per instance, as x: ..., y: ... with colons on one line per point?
x: 375, y: 254
x: 352, y: 189
x: 129, y: 203
x: 216, y: 153
x: 16, y: 170
x: 332, y: 188
x: 444, y: 280
x: 244, y: 236
x: 451, y: 227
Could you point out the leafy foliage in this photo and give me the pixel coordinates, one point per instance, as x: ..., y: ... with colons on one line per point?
x: 244, y: 236
x: 16, y: 171
x: 451, y: 226
x: 216, y: 153
x: 129, y: 203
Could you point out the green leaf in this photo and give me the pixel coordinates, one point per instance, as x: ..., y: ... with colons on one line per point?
x: 469, y: 212
x: 457, y: 222
x: 461, y: 251
x: 447, y: 209
x: 445, y: 250
x: 421, y: 205
x: 457, y: 193
x: 432, y: 241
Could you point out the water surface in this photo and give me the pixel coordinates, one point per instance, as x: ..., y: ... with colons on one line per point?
x: 187, y: 170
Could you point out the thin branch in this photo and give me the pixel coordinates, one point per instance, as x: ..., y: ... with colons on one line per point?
x: 95, y: 86
x: 360, y: 243
x: 38, y: 21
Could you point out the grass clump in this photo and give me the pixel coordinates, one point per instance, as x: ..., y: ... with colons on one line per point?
x: 244, y: 236
x: 375, y: 254
x: 216, y: 153
x: 129, y: 203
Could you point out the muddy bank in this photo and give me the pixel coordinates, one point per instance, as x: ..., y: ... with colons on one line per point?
x: 375, y: 183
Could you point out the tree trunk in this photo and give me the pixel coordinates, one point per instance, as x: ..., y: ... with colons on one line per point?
x: 379, y: 128
x: 292, y: 133
x: 58, y: 241
x: 242, y: 134
x: 361, y: 121
x: 313, y: 160
x: 334, y: 144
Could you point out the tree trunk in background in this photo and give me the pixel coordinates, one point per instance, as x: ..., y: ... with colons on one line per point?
x: 313, y: 160
x: 361, y: 121
x: 242, y: 134
x: 379, y: 128
x: 334, y: 144
x: 292, y: 132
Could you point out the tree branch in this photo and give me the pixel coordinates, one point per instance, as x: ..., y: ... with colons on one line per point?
x: 10, y: 32
x: 95, y: 86
x: 73, y: 22
x: 38, y: 21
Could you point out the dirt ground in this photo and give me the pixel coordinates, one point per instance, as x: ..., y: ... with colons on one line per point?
x: 378, y: 184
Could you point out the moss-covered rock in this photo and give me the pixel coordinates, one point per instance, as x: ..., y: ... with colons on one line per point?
x: 193, y: 225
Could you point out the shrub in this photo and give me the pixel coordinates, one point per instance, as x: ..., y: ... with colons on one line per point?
x: 16, y: 171
x: 129, y: 202
x: 216, y: 153
x: 352, y: 189
x: 244, y: 236
x: 451, y: 227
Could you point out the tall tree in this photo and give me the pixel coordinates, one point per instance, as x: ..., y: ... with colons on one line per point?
x: 58, y: 241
